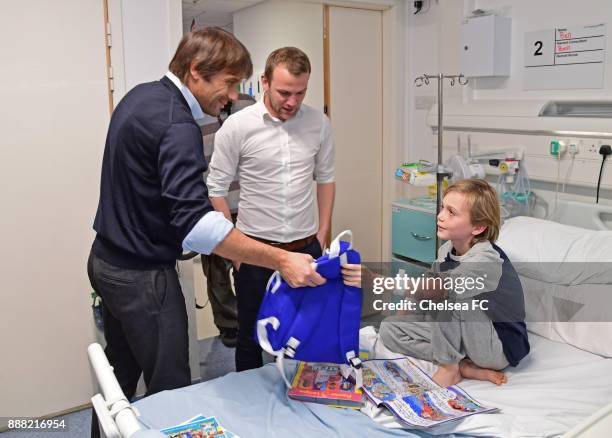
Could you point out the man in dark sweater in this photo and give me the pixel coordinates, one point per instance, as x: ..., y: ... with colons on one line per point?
x: 154, y: 204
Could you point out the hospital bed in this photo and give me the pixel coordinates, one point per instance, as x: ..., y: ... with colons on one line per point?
x: 563, y: 387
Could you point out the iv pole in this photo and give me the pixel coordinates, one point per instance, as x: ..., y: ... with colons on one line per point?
x: 440, y: 172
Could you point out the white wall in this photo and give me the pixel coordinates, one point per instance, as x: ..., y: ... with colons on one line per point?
x: 548, y: 14
x: 54, y: 121
x: 429, y: 51
x: 146, y: 34
x: 433, y: 41
x: 268, y: 26
x: 54, y: 116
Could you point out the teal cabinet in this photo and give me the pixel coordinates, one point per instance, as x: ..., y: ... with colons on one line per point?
x: 414, y: 229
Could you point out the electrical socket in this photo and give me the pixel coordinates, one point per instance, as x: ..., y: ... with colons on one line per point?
x: 590, y: 148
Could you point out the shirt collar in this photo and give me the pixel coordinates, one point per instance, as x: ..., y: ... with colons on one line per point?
x: 194, y: 106
x: 263, y: 111
x: 476, y: 247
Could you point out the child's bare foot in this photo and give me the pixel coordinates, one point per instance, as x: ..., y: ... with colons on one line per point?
x: 470, y: 370
x: 447, y: 374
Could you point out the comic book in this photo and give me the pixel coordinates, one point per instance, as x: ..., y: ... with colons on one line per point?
x: 199, y: 427
x: 323, y: 383
x: 410, y: 394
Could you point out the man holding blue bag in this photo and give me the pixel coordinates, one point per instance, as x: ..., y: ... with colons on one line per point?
x: 275, y: 147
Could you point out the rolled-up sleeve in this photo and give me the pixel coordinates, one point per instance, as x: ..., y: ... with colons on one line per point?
x: 325, y: 164
x: 207, y: 233
x: 224, y: 162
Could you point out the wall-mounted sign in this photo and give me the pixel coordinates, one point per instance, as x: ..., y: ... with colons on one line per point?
x: 565, y: 58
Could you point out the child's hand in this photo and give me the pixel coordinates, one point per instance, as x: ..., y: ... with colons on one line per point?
x: 351, y: 274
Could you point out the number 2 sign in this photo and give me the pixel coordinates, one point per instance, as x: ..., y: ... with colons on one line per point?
x: 565, y: 58
x: 540, y: 48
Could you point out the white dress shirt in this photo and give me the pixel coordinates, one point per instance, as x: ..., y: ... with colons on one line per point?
x: 276, y: 163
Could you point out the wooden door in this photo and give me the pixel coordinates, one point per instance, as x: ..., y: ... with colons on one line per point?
x: 353, y: 39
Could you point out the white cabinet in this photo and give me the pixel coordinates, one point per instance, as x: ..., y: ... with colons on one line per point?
x: 486, y: 46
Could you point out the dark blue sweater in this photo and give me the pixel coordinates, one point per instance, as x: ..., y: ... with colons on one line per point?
x: 152, y: 190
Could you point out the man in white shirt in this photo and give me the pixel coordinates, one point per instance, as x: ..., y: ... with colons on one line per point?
x: 216, y: 268
x: 276, y: 147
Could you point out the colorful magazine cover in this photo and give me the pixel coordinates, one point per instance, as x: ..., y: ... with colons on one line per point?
x: 199, y: 427
x: 323, y: 383
x: 410, y: 394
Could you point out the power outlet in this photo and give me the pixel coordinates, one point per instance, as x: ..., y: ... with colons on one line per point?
x: 592, y: 148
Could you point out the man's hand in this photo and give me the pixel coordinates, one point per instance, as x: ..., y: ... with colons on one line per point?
x: 298, y: 271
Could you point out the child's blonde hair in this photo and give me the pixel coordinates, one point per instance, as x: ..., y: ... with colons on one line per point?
x: 483, y: 204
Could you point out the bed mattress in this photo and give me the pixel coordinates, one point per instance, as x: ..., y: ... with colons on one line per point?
x: 553, y: 389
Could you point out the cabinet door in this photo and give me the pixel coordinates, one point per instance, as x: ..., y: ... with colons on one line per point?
x: 414, y: 234
x: 478, y: 42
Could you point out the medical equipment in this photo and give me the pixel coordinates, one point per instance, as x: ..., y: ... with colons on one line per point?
x: 416, y: 174
x: 514, y: 189
x: 460, y: 168
x: 440, y: 174
x: 513, y: 186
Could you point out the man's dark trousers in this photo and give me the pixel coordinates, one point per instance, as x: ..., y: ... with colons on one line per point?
x: 145, y: 326
x: 250, y: 282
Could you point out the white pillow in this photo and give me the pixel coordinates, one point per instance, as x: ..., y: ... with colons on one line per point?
x: 561, y: 266
x: 528, y: 239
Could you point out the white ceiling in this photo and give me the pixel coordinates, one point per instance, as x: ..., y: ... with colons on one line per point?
x: 212, y: 12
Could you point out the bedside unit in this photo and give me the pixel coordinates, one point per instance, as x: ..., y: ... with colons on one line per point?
x: 414, y: 229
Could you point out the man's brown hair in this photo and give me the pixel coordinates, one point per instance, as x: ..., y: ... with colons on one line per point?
x: 293, y: 58
x: 483, y: 204
x: 214, y: 50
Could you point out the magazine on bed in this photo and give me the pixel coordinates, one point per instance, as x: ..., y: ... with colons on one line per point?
x: 199, y: 427
x: 323, y: 383
x: 410, y: 394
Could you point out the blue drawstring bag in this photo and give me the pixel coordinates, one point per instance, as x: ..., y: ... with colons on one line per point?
x: 315, y: 324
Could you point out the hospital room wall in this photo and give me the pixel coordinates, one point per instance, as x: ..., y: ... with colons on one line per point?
x: 54, y: 117
x: 433, y: 42
x: 54, y: 121
x: 270, y: 25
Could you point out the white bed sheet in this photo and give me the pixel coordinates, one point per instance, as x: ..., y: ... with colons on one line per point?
x: 554, y: 388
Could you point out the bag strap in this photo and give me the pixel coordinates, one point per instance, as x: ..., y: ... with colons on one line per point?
x: 262, y: 334
x: 274, y: 282
x: 293, y: 343
x: 334, y: 248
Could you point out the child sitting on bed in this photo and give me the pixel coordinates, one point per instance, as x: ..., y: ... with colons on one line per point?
x: 472, y: 332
